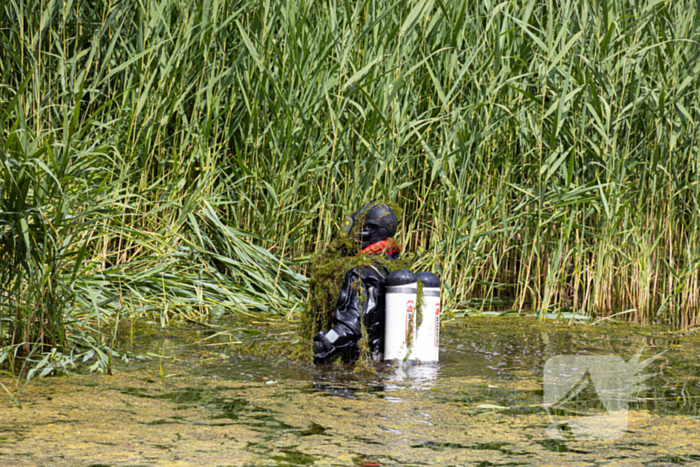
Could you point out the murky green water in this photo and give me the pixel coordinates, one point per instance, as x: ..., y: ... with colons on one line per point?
x: 482, y: 405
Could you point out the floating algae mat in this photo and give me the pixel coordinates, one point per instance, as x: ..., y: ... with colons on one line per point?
x: 481, y: 406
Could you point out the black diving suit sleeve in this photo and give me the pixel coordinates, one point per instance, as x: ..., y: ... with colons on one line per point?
x: 360, y: 299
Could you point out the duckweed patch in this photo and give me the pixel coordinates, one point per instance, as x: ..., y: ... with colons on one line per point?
x: 677, y: 460
x: 229, y: 408
x: 437, y: 446
x: 292, y: 456
x: 314, y: 429
x: 165, y: 421
x: 557, y: 445
x: 330, y: 416
x: 269, y: 421
x: 186, y: 396
x: 369, y: 461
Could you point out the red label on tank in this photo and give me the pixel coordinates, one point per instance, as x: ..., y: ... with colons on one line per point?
x: 437, y: 325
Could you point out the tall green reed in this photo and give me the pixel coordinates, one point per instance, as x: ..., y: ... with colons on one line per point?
x: 544, y: 152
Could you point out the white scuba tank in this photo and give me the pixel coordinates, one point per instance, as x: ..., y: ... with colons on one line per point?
x: 426, y: 347
x: 400, y: 322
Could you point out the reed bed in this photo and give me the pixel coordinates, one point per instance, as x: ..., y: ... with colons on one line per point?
x: 185, y: 158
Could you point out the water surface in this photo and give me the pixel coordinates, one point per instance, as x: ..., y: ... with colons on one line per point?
x: 205, y: 403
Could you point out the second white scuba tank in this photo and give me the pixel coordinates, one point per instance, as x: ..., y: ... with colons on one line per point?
x: 400, y: 322
x: 426, y: 347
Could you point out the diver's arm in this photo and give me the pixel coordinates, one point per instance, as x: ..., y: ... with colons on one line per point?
x: 347, y: 328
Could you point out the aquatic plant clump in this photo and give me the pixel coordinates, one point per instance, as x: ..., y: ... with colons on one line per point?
x: 331, y: 264
x: 326, y: 279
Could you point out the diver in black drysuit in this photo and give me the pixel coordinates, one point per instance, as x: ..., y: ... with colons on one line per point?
x: 375, y: 233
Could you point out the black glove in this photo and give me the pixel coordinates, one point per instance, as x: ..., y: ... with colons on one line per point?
x: 322, y: 347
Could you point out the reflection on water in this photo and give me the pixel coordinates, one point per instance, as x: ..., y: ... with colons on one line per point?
x: 421, y: 376
x: 481, y: 405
